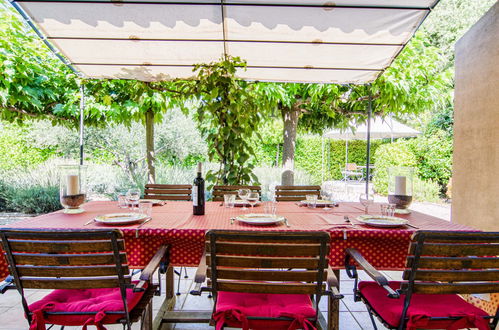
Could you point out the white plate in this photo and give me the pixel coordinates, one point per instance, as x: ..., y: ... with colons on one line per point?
x: 258, y: 219
x: 240, y: 202
x: 120, y: 218
x: 153, y: 201
x: 320, y: 203
x: 381, y: 221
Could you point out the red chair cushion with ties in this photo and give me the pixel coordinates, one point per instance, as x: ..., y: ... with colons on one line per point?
x: 422, y: 307
x: 82, y: 300
x: 233, y: 308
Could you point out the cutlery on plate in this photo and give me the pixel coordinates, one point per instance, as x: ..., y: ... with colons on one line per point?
x: 139, y: 226
x: 89, y: 222
x: 232, y: 220
x: 286, y: 222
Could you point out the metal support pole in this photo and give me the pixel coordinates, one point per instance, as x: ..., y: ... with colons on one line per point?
x: 322, y: 163
x: 368, y: 160
x: 82, y: 117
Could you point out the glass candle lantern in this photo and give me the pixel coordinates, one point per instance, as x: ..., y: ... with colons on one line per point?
x: 72, y: 193
x: 400, y: 183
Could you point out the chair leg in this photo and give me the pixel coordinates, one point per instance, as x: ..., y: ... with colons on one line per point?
x: 372, y: 319
x: 185, y: 272
x: 333, y: 314
x: 146, y: 319
x: 178, y: 282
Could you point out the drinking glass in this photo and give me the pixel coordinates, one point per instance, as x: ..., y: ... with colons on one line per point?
x: 270, y: 208
x: 366, y: 200
x: 243, y: 193
x: 133, y: 196
x: 253, y: 198
x: 145, y: 207
x: 311, y: 201
x: 122, y: 201
x: 326, y: 197
x: 229, y: 200
x: 388, y: 209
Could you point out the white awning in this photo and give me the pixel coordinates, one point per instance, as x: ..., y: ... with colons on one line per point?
x: 381, y: 128
x: 344, y: 41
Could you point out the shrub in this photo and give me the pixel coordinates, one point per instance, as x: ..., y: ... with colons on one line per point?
x: 388, y: 155
x: 18, y: 150
x: 434, y: 157
x: 35, y: 199
x: 426, y: 190
x: 401, y: 153
x: 3, y: 191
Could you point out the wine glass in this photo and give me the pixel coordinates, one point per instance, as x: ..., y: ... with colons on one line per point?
x: 133, y: 196
x: 366, y: 200
x: 326, y: 195
x: 253, y: 198
x: 243, y: 193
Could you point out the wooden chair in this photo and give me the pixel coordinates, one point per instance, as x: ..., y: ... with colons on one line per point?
x: 295, y: 193
x: 78, y: 265
x: 285, y: 268
x: 170, y: 192
x: 440, y: 266
x: 352, y: 171
x: 220, y: 191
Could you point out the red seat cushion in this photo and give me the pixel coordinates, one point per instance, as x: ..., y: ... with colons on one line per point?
x: 297, y: 306
x: 84, y: 300
x: 422, y: 307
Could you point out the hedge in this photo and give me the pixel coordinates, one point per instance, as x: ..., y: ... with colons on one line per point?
x: 308, y: 156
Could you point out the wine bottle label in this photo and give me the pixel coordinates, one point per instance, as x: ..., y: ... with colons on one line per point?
x: 195, y: 195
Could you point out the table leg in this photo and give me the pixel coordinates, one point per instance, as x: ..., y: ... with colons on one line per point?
x: 168, y: 303
x: 146, y: 323
x: 334, y: 308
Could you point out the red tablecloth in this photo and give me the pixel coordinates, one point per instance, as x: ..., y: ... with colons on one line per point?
x: 175, y: 225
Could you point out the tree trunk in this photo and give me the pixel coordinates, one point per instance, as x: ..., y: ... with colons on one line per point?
x: 150, y: 157
x: 290, y: 118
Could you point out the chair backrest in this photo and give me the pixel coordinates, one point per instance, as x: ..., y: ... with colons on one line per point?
x: 61, y: 259
x: 267, y: 262
x: 171, y: 192
x: 220, y: 191
x: 295, y: 193
x: 452, y: 262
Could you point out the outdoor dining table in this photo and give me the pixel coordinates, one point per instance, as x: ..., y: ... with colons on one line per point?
x: 175, y: 225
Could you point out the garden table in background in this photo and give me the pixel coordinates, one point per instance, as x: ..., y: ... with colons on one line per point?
x: 175, y: 225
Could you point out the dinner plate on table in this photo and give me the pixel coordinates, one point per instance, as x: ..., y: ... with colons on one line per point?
x: 320, y: 203
x: 241, y: 203
x: 260, y: 219
x: 382, y: 221
x: 120, y: 218
x: 154, y: 202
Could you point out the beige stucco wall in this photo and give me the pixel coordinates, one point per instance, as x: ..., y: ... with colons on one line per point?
x: 475, y: 181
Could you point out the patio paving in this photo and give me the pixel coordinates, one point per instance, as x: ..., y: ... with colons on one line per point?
x: 353, y: 315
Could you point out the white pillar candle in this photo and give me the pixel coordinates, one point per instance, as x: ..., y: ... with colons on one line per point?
x: 73, y: 185
x: 400, y: 185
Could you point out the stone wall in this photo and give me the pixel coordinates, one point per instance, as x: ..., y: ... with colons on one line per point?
x: 475, y: 200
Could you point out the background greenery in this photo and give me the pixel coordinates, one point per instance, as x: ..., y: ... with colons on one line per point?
x: 34, y: 84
